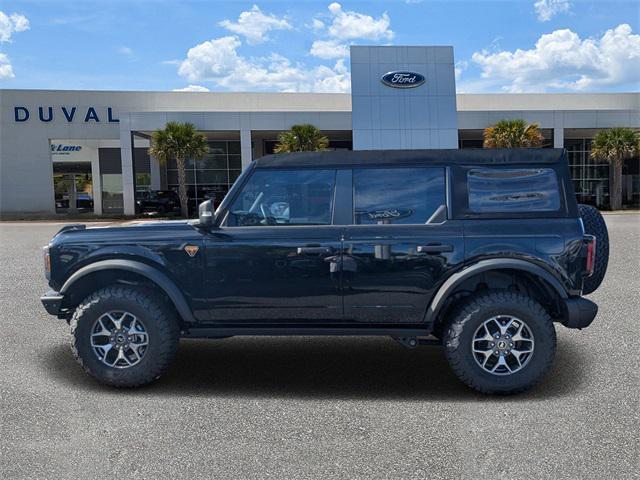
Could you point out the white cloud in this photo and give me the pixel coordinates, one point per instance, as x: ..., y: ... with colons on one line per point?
x: 547, y: 9
x: 329, y: 49
x: 460, y: 67
x: 210, y: 59
x: 347, y: 25
x: 6, y: 70
x: 254, y: 25
x: 317, y: 25
x: 332, y: 80
x: 127, y: 51
x: 561, y: 60
x: 10, y: 24
x: 192, y: 88
x: 218, y: 61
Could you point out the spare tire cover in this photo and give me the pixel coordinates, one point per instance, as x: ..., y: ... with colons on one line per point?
x: 594, y: 225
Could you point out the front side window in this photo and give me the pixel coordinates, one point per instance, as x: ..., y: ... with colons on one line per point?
x: 397, y: 195
x: 513, y: 190
x: 284, y: 197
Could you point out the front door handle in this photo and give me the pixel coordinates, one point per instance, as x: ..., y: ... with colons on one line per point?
x: 435, y: 248
x: 314, y: 250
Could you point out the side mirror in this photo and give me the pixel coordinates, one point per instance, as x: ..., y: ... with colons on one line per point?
x: 205, y: 213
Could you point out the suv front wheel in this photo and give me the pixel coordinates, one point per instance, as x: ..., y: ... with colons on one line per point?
x: 500, y: 342
x: 124, y: 336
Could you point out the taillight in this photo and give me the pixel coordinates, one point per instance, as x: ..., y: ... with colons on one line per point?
x: 591, y: 256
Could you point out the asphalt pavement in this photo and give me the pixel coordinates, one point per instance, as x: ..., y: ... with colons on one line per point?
x: 315, y: 407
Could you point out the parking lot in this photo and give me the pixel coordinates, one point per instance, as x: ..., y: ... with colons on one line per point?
x: 315, y: 407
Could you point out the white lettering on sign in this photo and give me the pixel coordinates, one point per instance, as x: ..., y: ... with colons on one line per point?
x: 403, y: 79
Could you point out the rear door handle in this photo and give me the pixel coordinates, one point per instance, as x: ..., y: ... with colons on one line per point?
x: 435, y: 248
x: 314, y: 250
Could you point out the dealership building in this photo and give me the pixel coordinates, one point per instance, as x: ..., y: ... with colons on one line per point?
x: 67, y: 151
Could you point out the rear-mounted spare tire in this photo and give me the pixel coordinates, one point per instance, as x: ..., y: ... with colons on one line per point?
x: 594, y: 225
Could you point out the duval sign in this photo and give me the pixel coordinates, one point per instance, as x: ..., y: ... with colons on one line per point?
x: 403, y: 79
x: 66, y: 113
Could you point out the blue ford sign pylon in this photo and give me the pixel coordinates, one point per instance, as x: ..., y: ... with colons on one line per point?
x: 403, y: 79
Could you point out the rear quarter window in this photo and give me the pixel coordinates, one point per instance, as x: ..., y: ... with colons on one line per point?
x: 513, y: 190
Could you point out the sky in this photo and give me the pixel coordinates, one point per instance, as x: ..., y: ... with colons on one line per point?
x: 499, y: 46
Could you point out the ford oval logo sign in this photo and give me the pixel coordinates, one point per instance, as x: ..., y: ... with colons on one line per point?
x: 401, y: 79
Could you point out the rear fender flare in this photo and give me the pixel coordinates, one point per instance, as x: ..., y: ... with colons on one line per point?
x: 457, y: 278
x: 153, y: 274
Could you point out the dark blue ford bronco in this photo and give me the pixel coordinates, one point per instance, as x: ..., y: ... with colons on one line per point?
x: 480, y: 251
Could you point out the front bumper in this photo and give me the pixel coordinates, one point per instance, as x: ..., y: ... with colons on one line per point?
x: 579, y: 312
x: 52, y: 302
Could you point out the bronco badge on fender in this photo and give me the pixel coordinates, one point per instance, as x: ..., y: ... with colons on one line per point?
x: 191, y: 250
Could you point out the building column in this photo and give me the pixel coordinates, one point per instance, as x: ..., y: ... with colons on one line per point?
x: 558, y: 137
x: 96, y: 182
x: 126, y: 159
x: 73, y: 195
x: 246, y: 154
x: 156, y: 182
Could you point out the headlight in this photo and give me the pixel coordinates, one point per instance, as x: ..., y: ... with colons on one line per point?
x: 47, y: 262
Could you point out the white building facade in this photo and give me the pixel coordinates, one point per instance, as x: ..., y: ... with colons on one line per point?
x: 86, y: 151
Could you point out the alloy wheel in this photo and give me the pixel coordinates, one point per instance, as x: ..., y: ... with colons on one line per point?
x: 119, y: 339
x: 502, y: 345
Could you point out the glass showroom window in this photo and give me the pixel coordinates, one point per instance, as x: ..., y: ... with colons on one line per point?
x: 142, y: 165
x: 112, y: 195
x: 211, y: 177
x: 590, y: 178
x: 143, y: 182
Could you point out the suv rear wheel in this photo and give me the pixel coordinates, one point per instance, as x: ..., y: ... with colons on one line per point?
x: 124, y: 336
x: 500, y: 342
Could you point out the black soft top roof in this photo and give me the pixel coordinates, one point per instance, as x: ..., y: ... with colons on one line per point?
x: 471, y: 156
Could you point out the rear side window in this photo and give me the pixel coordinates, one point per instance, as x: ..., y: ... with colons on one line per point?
x: 284, y: 197
x: 397, y: 195
x: 513, y: 190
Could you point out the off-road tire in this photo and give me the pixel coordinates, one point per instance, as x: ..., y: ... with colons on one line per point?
x: 595, y: 225
x: 159, y: 320
x: 461, y: 327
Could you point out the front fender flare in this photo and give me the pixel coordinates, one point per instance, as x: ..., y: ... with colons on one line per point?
x: 153, y: 274
x: 457, y: 278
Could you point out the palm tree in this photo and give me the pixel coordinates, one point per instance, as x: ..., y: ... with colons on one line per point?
x: 180, y: 141
x: 513, y: 134
x: 301, y: 138
x: 614, y: 146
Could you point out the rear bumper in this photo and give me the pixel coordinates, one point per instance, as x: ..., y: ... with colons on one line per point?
x: 52, y: 302
x: 579, y: 312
